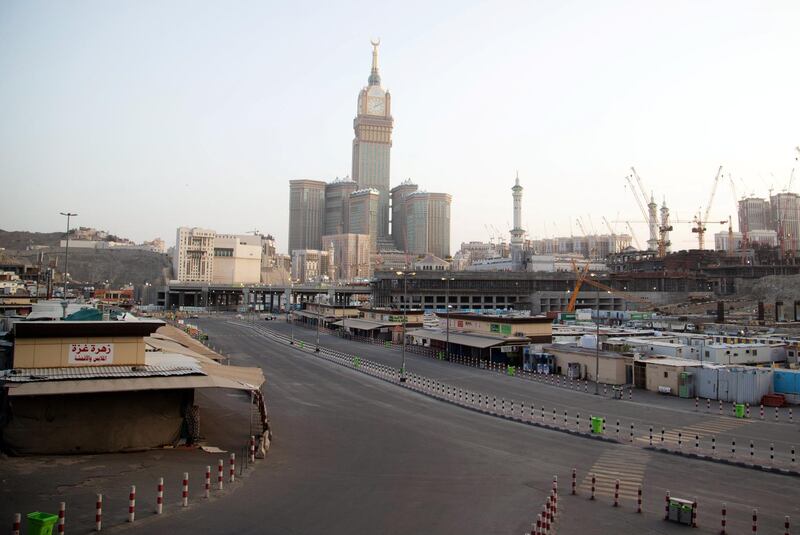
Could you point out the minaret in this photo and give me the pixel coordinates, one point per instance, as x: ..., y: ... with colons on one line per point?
x: 652, y: 213
x: 517, y: 233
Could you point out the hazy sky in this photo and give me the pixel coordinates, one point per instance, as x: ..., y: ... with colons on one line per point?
x: 146, y: 115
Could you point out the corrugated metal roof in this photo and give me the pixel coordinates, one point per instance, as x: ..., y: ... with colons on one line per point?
x: 26, y: 375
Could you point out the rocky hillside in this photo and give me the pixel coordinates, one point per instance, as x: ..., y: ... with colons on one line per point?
x: 19, y: 240
x: 95, y: 266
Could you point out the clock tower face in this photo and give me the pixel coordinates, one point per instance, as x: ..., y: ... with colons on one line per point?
x: 376, y: 106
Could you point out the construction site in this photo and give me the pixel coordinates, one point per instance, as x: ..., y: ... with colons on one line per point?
x: 750, y: 275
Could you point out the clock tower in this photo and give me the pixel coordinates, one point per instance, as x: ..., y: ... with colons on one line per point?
x: 373, y: 141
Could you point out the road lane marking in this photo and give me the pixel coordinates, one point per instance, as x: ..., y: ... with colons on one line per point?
x: 623, y: 463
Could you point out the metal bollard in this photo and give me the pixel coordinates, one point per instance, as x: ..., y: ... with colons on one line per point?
x: 617, y: 430
x: 593, y: 482
x: 616, y: 493
x: 631, y: 431
x: 786, y: 528
x: 232, y: 471
x: 630, y: 394
x: 208, y: 482
x: 713, y: 446
x: 651, y: 435
x: 160, y: 496
x: 662, y: 436
x: 252, y: 448
x: 185, y: 490
x: 762, y: 411
x: 132, y: 504
x: 791, y: 419
x: 755, y: 520
x: 696, y: 443
x: 565, y: 418
x: 694, y: 513
x: 720, y: 406
x: 680, y: 441
x: 586, y: 385
x: 15, y: 527
x: 771, y: 453
x: 751, y: 450
x: 219, y: 474
x: 696, y: 403
x: 733, y: 447
x: 747, y: 410
x: 708, y: 404
x: 792, y: 455
x: 639, y: 500
x: 578, y: 421
x: 666, y: 506
x: 604, y: 388
x: 98, y: 513
x: 554, y: 416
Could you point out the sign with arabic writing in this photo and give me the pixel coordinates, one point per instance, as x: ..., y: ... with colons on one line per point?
x: 88, y: 354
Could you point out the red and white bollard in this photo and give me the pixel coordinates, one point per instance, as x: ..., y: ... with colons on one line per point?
x: 160, y: 496
x: 616, y: 493
x: 762, y: 411
x: 755, y: 520
x: 574, y: 481
x: 185, y: 491
x: 232, y: 468
x: 62, y: 514
x: 786, y: 529
x: 694, y: 513
x: 639, y: 500
x: 666, y: 506
x: 252, y: 449
x: 696, y: 403
x: 219, y: 474
x: 593, y: 481
x: 17, y: 523
x: 98, y: 513
x: 132, y: 504
x: 208, y: 482
x: 724, y: 520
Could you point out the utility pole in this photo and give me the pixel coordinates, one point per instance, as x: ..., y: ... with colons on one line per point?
x: 66, y: 264
x: 597, y: 345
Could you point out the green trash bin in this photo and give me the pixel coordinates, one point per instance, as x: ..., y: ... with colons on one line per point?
x: 511, y: 370
x: 41, y: 523
x: 597, y: 425
x: 739, y: 410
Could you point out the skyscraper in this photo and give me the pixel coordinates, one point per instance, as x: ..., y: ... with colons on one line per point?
x: 373, y: 141
x: 399, y: 194
x: 364, y: 210
x: 337, y: 207
x: 306, y: 214
x: 428, y: 223
x: 193, y: 259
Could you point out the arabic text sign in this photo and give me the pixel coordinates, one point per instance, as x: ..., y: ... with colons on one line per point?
x: 86, y: 354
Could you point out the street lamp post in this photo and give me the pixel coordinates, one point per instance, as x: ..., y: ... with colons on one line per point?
x: 597, y: 344
x: 290, y: 315
x: 66, y: 262
x: 447, y: 312
x: 405, y: 275
x: 318, y: 317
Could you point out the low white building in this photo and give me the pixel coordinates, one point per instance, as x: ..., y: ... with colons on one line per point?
x: 744, y: 353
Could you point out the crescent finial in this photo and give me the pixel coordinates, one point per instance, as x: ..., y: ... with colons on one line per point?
x: 375, y: 42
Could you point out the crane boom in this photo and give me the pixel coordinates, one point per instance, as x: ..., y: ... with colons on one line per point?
x: 633, y: 235
x: 641, y: 184
x: 608, y: 225
x: 636, y: 196
x: 713, y: 192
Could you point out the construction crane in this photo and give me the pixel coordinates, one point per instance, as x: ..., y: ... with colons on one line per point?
x: 608, y: 226
x: 652, y: 212
x: 639, y: 202
x: 581, y: 278
x: 700, y: 223
x: 742, y: 213
x: 633, y: 235
x: 578, y: 283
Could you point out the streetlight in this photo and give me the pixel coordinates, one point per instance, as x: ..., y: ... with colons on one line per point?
x: 405, y: 275
x: 447, y: 311
x: 597, y: 344
x: 319, y: 306
x: 290, y: 315
x: 66, y: 263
